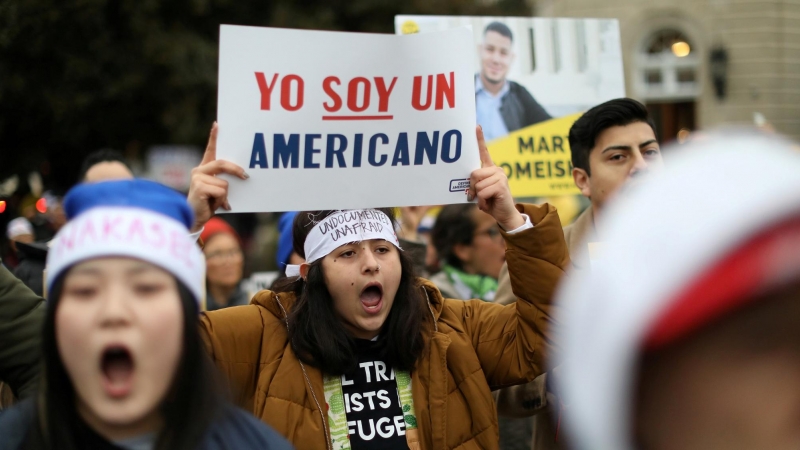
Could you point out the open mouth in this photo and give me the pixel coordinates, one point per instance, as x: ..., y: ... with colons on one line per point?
x: 371, y: 297
x: 116, y: 364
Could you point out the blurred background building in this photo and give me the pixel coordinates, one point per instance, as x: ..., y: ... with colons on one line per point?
x: 701, y: 63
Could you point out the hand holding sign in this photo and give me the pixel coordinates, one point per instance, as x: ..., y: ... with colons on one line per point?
x: 207, y: 193
x: 490, y: 185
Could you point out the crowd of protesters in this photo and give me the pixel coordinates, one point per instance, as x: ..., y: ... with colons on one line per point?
x: 662, y: 318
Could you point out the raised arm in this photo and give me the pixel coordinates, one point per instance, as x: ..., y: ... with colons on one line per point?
x: 511, y: 341
x: 207, y: 193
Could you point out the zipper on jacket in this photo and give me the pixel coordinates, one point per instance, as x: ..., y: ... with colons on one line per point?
x: 430, y: 308
x: 328, y: 444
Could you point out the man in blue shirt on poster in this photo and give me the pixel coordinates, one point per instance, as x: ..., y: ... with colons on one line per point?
x: 502, y: 105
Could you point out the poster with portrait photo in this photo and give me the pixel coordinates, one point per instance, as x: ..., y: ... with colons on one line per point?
x: 533, y: 69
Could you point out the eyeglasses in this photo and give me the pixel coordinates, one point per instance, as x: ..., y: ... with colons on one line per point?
x: 493, y: 233
x: 224, y: 254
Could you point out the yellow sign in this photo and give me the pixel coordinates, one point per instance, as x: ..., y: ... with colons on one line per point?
x: 409, y: 27
x: 536, y: 159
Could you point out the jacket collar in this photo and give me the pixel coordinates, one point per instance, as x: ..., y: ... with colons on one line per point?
x: 578, y: 235
x: 267, y: 299
x: 479, y: 87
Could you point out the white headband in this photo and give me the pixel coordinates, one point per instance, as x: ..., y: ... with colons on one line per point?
x: 134, y: 232
x: 344, y: 227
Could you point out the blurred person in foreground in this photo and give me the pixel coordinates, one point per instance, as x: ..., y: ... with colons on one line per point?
x: 613, y: 145
x: 685, y: 334
x: 224, y: 266
x: 23, y: 311
x: 502, y: 106
x: 472, y: 250
x: 124, y: 366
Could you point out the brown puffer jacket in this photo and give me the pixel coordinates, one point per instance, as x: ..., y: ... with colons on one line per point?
x: 471, y: 348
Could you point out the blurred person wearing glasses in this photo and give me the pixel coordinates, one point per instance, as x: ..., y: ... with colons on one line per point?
x: 224, y: 266
x: 472, y: 252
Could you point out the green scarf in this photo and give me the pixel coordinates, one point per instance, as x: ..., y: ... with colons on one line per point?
x: 471, y: 286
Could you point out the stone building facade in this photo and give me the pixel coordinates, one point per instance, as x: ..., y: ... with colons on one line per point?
x: 752, y: 46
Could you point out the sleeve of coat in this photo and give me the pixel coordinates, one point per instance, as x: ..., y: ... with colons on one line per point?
x: 21, y: 320
x: 233, y: 338
x: 511, y: 341
x: 504, y: 295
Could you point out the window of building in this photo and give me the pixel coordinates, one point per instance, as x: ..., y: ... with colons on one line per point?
x: 666, y: 67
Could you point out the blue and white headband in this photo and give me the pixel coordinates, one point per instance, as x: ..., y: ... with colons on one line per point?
x: 131, y: 218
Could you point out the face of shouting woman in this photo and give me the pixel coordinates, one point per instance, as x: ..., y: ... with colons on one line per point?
x: 363, y: 278
x: 119, y: 328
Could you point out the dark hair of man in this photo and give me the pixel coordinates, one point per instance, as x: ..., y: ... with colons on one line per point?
x: 454, y: 225
x: 501, y: 28
x: 100, y: 156
x: 613, y: 113
x: 193, y: 402
x: 318, y: 337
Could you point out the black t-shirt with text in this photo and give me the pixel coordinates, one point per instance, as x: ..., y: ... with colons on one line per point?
x: 372, y: 402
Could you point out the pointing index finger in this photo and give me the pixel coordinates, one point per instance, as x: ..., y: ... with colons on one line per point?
x: 211, y: 148
x: 486, y: 158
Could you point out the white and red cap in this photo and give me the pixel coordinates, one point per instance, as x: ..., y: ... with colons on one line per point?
x: 717, y: 227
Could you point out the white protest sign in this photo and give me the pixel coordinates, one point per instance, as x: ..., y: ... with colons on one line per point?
x: 328, y: 120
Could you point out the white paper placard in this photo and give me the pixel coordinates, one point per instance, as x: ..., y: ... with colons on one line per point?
x: 329, y: 120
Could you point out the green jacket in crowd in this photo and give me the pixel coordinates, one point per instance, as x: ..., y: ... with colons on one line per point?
x: 21, y: 318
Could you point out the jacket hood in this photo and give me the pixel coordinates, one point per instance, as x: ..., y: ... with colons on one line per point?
x: 710, y: 199
x: 266, y: 299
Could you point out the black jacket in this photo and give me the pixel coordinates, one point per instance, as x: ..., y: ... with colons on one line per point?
x: 31, y: 266
x: 234, y: 430
x: 519, y: 109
